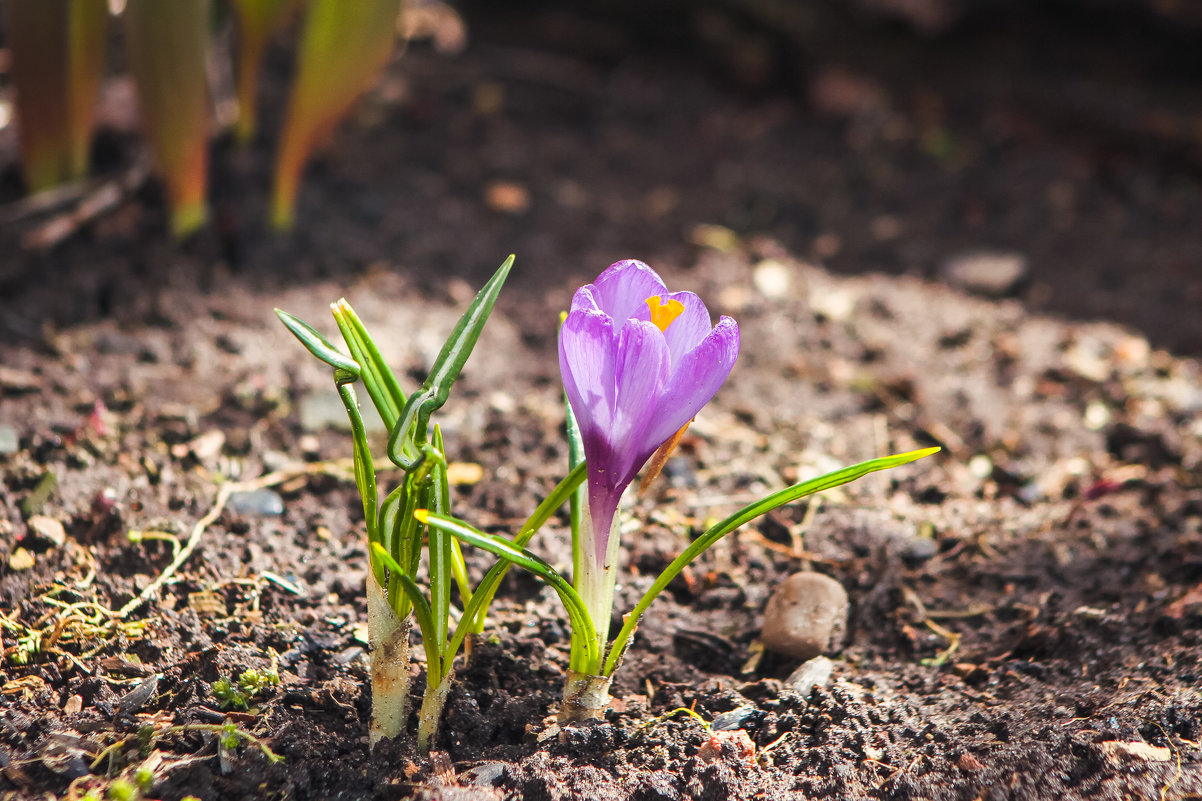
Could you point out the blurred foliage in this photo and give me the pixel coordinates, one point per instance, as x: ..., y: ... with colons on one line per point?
x: 57, y: 49
x: 166, y: 44
x: 342, y: 46
x: 58, y: 61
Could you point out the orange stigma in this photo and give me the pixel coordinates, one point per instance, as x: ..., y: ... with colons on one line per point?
x: 662, y: 314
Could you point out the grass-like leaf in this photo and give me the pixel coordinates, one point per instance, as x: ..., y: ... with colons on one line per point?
x: 318, y: 345
x: 739, y: 518
x: 411, y: 426
x: 476, y: 605
x: 381, y: 383
x: 509, y: 551
x: 421, y: 609
x: 365, y: 473
x: 257, y: 19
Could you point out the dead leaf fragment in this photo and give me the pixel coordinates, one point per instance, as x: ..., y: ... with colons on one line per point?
x: 464, y: 474
x: 1119, y: 752
x: 508, y: 197
x: 21, y: 559
x: 1190, y: 602
x: 969, y: 763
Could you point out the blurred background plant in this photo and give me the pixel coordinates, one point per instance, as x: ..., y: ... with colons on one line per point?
x: 59, y: 56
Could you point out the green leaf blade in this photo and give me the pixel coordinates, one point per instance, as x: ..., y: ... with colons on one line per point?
x: 318, y: 345
x: 415, y: 416
x: 507, y: 550
x: 740, y: 518
x: 381, y: 383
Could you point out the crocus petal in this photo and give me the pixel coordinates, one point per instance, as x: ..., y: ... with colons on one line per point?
x: 622, y: 290
x: 641, y: 370
x: 585, y: 299
x: 694, y: 380
x: 690, y: 328
x: 587, y: 347
x: 632, y: 385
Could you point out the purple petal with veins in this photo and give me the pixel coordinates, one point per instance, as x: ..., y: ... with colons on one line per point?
x: 635, y: 376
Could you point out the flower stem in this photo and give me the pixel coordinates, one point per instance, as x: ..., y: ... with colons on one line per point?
x: 595, y: 582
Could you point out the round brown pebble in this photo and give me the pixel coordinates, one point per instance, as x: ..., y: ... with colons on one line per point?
x: 805, y: 615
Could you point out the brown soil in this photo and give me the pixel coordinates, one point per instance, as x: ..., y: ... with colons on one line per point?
x: 1026, y: 607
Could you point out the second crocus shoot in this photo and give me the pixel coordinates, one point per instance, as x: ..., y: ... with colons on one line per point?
x: 638, y: 363
x: 394, y: 534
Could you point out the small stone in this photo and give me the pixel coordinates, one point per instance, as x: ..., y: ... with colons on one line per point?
x: 206, y: 448
x: 47, y: 529
x: 9, y: 441
x: 916, y: 550
x: 74, y: 705
x: 502, y: 402
x: 994, y: 274
x: 348, y: 655
x: 17, y: 382
x: 1089, y: 358
x: 65, y: 757
x: 813, y: 673
x: 981, y: 466
x: 257, y: 503
x: 835, y: 304
x: 1097, y: 415
x: 321, y: 410
x: 309, y: 445
x: 743, y: 717
x: 805, y: 615
x: 772, y: 278
x: 487, y: 774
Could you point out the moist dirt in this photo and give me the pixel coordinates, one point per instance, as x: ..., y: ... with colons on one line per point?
x: 1025, y: 607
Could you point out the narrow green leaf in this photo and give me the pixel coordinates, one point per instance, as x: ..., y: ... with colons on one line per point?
x: 316, y: 344
x: 257, y: 19
x: 577, y: 506
x: 438, y: 545
x: 387, y: 531
x: 406, y: 546
x: 415, y: 416
x: 474, y: 613
x: 378, y: 378
x: 508, y: 550
x: 421, y: 611
x: 365, y: 473
x: 739, y: 518
x: 459, y: 571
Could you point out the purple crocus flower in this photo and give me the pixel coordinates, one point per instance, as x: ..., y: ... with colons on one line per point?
x: 638, y: 363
